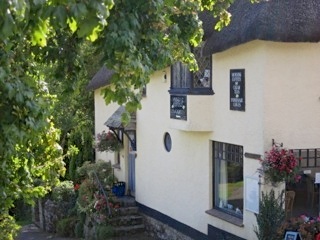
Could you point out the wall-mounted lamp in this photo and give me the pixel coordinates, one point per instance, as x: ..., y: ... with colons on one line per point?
x: 275, y: 144
x: 164, y: 76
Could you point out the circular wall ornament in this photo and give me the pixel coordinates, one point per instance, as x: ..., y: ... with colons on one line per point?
x: 167, y: 142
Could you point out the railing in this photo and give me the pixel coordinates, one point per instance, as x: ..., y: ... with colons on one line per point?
x: 101, y: 190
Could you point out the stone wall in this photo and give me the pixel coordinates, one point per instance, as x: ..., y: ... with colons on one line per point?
x: 53, y: 212
x: 163, y: 231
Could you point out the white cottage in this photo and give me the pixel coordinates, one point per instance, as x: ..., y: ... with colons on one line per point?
x: 199, y: 135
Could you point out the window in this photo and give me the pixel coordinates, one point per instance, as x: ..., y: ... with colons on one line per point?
x: 167, y: 142
x: 184, y: 81
x: 228, y: 178
x: 310, y: 158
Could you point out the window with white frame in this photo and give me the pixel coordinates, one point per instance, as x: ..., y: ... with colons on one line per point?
x: 183, y: 81
x: 228, y: 178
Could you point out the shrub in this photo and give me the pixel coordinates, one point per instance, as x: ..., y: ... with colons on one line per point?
x: 103, y: 170
x: 63, y: 192
x: 104, y: 232
x: 79, y: 230
x: 270, y: 216
x: 8, y: 227
x: 66, y: 227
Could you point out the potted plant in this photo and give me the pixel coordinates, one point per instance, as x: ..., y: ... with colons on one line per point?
x: 279, y: 165
x: 108, y: 141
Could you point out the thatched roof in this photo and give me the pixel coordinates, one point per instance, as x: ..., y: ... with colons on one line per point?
x: 100, y: 79
x: 272, y: 20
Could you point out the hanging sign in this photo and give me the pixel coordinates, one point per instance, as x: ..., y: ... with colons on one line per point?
x: 237, y: 90
x: 178, y: 107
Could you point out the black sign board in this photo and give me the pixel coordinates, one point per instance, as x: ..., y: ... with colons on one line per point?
x: 292, y: 236
x: 178, y: 107
x: 237, y: 90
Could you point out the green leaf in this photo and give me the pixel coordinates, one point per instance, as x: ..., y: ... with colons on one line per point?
x: 72, y: 24
x: 87, y: 27
x: 61, y: 15
x: 7, y: 27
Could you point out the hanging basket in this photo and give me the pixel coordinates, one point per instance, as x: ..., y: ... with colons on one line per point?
x: 108, y: 142
x: 280, y: 165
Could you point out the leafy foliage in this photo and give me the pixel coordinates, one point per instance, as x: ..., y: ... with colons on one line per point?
x: 271, y: 215
x: 42, y: 42
x: 66, y: 226
x: 108, y: 141
x: 8, y: 227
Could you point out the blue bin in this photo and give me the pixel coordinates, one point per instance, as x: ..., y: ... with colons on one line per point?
x: 119, y: 189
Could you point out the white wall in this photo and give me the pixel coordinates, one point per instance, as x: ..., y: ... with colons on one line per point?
x: 102, y: 113
x: 237, y: 127
x: 292, y: 94
x: 282, y: 102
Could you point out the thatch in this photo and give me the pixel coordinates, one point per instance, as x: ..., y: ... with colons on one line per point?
x: 100, y: 79
x: 273, y: 20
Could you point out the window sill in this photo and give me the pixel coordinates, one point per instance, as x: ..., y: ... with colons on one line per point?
x: 226, y: 217
x: 192, y: 91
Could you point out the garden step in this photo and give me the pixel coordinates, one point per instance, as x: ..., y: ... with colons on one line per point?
x: 128, y: 230
x: 128, y: 211
x: 127, y: 220
x: 126, y: 201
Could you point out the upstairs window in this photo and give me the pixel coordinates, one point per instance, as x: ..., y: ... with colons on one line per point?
x: 183, y: 81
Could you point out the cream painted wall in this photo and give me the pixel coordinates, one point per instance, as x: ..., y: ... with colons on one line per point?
x: 102, y: 113
x: 236, y: 127
x: 292, y: 92
x: 174, y: 183
x: 282, y: 98
x: 178, y: 183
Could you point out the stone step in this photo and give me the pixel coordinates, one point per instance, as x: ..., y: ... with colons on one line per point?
x: 130, y: 220
x: 128, y: 211
x: 128, y: 230
x: 126, y: 201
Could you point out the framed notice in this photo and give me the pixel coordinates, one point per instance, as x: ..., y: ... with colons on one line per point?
x: 252, y: 194
x: 292, y: 236
x: 317, y: 179
x: 178, y: 107
x: 237, y: 90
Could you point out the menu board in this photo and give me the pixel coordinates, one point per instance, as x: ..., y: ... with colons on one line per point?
x: 237, y: 90
x: 178, y: 107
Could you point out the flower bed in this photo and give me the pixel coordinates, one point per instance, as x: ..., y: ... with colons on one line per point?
x: 308, y: 227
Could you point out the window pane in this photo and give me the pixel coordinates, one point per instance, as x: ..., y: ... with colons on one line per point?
x: 228, y: 170
x: 199, y: 82
x: 181, y: 76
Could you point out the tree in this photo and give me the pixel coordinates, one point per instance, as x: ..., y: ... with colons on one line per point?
x: 135, y: 37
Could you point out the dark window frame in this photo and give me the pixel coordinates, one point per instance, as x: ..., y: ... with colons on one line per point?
x: 183, y: 80
x: 310, y: 157
x: 230, y: 153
